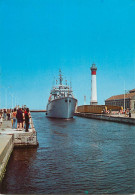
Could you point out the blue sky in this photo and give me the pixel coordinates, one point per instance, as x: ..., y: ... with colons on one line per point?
x: 39, y: 37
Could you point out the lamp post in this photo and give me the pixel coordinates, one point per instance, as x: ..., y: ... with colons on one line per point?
x: 6, y: 93
x: 12, y: 100
x: 124, y: 100
x: 124, y: 95
x: 15, y: 101
x: 6, y: 98
x: 85, y: 100
x: 125, y: 92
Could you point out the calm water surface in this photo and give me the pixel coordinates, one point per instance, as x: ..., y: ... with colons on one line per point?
x: 74, y: 156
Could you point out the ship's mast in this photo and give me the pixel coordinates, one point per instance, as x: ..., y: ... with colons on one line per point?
x: 60, y: 77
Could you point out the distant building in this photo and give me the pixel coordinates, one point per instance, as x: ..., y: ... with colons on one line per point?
x: 118, y: 100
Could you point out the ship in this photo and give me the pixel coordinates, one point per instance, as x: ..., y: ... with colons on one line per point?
x: 61, y: 102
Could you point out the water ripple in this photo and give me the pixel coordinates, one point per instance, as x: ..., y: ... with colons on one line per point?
x: 74, y: 156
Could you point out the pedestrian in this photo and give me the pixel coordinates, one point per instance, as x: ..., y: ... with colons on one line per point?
x: 1, y: 119
x: 125, y: 113
x: 11, y: 116
x: 8, y: 115
x: 129, y: 113
x: 19, y: 117
x: 5, y: 114
x: 14, y: 118
x: 23, y: 113
x: 27, y: 119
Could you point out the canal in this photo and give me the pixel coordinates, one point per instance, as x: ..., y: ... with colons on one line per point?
x: 74, y: 156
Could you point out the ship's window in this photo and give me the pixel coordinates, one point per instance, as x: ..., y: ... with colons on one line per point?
x: 69, y: 100
x: 65, y: 100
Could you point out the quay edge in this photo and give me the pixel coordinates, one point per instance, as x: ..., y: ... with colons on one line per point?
x: 10, y: 139
x: 111, y: 118
x: 38, y: 111
x: 20, y: 137
x: 6, y: 148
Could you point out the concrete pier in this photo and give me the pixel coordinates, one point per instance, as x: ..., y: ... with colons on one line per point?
x: 10, y: 138
x: 6, y: 148
x: 38, y: 111
x: 112, y: 118
x: 20, y: 137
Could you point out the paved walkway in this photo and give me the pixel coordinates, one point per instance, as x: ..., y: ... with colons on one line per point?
x: 5, y: 125
x: 122, y: 115
x: 21, y: 138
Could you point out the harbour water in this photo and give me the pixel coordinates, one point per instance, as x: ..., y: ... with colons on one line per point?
x: 79, y: 155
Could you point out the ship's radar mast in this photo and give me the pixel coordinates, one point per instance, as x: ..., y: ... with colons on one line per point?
x: 60, y: 77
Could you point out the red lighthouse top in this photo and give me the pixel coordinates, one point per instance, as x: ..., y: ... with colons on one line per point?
x: 93, y: 69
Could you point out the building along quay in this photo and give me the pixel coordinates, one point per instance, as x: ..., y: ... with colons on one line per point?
x: 11, y: 138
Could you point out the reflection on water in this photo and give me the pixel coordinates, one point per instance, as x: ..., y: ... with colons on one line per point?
x: 20, y: 164
x: 74, y: 156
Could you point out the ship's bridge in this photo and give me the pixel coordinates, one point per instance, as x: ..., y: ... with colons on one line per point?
x: 60, y: 91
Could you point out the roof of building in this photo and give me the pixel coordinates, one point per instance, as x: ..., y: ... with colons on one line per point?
x: 118, y: 97
x: 132, y: 91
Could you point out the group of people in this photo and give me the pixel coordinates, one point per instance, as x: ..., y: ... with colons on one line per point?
x: 20, y: 118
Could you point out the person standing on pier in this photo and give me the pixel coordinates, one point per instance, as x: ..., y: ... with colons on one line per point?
x: 5, y: 114
x: 23, y: 123
x: 19, y: 117
x: 14, y: 118
x: 1, y: 119
x: 27, y: 119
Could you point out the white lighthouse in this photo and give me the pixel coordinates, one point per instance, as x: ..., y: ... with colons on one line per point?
x: 93, y: 85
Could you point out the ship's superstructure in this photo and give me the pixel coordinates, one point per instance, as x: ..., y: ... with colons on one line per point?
x: 61, y: 103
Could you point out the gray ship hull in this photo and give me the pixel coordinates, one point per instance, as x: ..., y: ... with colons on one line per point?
x: 61, y: 108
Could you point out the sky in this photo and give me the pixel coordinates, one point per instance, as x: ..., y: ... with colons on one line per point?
x: 39, y: 37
